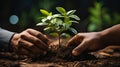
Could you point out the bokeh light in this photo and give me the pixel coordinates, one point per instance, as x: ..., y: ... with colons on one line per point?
x: 13, y: 19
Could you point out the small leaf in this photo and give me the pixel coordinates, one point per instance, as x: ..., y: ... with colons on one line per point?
x: 73, y: 30
x: 45, y: 12
x: 44, y: 19
x: 50, y: 14
x: 49, y: 17
x: 75, y: 17
x: 71, y: 12
x: 41, y: 24
x: 54, y: 34
x: 66, y: 26
x: 61, y: 10
x: 57, y: 15
x: 47, y: 28
x: 74, y: 21
x: 59, y: 21
x: 56, y: 21
x: 65, y: 35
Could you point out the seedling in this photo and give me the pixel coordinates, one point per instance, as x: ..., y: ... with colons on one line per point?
x: 57, y: 24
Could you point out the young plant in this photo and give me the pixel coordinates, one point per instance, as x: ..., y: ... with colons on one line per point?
x: 57, y: 24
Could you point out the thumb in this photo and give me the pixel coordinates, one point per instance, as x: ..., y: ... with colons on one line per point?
x: 80, y: 48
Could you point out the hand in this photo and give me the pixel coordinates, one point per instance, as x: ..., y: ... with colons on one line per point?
x: 31, y: 42
x: 86, y: 41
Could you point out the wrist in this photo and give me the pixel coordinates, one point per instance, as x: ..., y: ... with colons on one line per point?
x: 14, y: 40
x: 104, y: 38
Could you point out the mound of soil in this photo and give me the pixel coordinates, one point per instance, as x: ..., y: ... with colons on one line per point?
x: 62, y: 57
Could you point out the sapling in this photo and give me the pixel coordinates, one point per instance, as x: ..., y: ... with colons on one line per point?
x: 57, y: 24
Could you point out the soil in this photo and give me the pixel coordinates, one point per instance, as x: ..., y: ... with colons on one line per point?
x: 62, y: 57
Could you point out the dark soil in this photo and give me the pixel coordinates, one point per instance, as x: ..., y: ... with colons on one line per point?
x: 62, y: 57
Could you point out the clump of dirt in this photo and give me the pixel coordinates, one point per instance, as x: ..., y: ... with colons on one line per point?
x: 62, y: 57
x: 64, y: 54
x: 58, y: 53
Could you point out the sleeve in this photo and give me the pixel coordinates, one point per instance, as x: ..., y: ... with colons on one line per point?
x: 5, y: 37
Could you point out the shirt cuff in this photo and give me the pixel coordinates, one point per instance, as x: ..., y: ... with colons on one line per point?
x: 5, y: 39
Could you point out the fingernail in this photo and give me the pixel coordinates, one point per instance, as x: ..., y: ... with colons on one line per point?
x: 75, y: 53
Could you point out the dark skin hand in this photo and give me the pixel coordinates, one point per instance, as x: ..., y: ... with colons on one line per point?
x: 95, y: 40
x: 31, y: 43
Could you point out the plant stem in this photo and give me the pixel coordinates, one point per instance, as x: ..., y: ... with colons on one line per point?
x: 59, y: 41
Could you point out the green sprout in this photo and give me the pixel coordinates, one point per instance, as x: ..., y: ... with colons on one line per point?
x: 57, y: 24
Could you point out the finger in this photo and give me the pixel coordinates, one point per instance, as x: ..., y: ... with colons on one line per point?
x: 37, y: 42
x: 80, y: 48
x: 22, y: 51
x: 31, y: 48
x: 76, y: 40
x: 35, y: 51
x: 24, y: 42
x: 39, y: 35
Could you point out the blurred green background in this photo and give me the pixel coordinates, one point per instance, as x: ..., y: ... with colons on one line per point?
x: 96, y: 15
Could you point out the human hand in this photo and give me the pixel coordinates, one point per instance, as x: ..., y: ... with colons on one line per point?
x: 31, y: 43
x: 85, y: 42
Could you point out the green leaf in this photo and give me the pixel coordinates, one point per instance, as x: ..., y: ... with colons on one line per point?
x: 44, y: 19
x: 54, y: 34
x: 61, y: 10
x: 56, y: 21
x: 74, y: 21
x: 73, y: 30
x: 49, y: 17
x: 45, y: 12
x: 47, y: 28
x: 75, y: 17
x: 71, y: 12
x: 66, y: 25
x: 57, y: 15
x: 65, y: 35
x: 50, y: 14
x: 41, y: 24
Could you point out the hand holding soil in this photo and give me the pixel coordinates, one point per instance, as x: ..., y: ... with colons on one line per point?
x: 31, y: 43
x: 85, y: 42
x: 95, y: 40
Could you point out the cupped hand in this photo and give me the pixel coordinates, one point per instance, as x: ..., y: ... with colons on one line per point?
x: 85, y: 42
x: 30, y: 42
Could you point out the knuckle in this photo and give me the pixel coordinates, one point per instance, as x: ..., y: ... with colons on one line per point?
x: 22, y: 35
x: 20, y: 40
x: 77, y: 35
x: 29, y: 29
x: 38, y: 34
x: 37, y: 40
x: 30, y: 44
